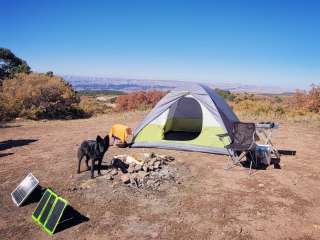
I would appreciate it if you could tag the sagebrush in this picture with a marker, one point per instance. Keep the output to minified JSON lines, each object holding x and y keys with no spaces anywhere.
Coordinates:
{"x":38,"y":96}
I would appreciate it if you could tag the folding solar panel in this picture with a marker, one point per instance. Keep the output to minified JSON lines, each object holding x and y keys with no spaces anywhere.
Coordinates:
{"x":24,"y":189}
{"x":49,"y":211}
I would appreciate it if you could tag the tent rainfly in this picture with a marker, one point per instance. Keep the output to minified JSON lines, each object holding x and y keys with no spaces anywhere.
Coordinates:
{"x":188,"y":118}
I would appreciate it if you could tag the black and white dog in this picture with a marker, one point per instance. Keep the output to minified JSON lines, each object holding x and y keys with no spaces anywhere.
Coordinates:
{"x":93,"y":150}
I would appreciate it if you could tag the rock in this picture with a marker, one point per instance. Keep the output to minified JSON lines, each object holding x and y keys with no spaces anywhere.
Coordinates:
{"x":138,"y":179}
{"x":108,"y":177}
{"x":145,"y":168}
{"x":151,"y":162}
{"x":261,"y":185}
{"x":138,"y":168}
{"x":134,"y":181}
{"x":120,"y":157}
{"x":125,"y":178}
{"x":164,"y":172}
{"x":148,"y":155}
{"x":165,"y":158}
{"x":151,"y":173}
{"x":119,"y":164}
{"x":133,"y":177}
{"x":159,"y":158}
{"x":157,"y":183}
{"x":150,"y":167}
{"x":167,"y":174}
{"x":169,"y":158}
{"x":130,"y":169}
{"x":156,"y":164}
{"x":114,"y":172}
{"x":141,"y":175}
{"x":144,"y":158}
{"x":150,"y":183}
{"x":132,"y":160}
{"x":132,"y":165}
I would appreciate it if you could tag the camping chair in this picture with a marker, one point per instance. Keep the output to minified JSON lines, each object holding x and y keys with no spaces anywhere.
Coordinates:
{"x":242,"y":144}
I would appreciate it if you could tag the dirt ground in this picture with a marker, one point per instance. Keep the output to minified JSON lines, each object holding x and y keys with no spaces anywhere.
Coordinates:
{"x":209,"y":202}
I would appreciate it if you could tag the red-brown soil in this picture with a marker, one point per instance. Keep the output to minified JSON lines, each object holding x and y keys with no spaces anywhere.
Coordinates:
{"x":209,"y":203}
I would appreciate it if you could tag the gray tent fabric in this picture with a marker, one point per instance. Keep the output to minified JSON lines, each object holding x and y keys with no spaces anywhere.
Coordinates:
{"x":228,"y":116}
{"x":160,"y":107}
{"x":215,"y":104}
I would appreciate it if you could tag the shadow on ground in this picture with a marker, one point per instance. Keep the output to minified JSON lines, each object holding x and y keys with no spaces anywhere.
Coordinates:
{"x":4,"y":145}
{"x":9,"y":126}
{"x":116,"y":163}
{"x":35,"y":196}
{"x":70,"y":218}
{"x":274,"y":161}
{"x":5,"y":154}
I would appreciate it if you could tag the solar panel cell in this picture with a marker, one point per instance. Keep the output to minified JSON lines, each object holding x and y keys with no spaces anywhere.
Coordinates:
{"x":56,"y":213}
{"x":41,"y":204}
{"x":47,"y":209}
{"x":18,"y":196}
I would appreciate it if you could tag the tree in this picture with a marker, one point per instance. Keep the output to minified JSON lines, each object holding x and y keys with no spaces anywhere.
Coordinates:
{"x":11,"y":64}
{"x":226,"y":94}
{"x":49,"y":74}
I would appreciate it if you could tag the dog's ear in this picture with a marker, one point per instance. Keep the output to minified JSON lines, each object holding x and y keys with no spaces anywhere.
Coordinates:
{"x":99,"y":139}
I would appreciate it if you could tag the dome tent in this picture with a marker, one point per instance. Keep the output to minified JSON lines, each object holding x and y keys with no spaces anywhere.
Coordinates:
{"x":188,"y":118}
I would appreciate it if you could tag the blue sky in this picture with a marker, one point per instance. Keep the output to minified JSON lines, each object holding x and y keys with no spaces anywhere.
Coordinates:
{"x":252,"y":42}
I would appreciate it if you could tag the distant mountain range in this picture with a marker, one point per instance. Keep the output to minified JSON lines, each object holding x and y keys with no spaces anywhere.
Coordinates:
{"x":127,"y":85}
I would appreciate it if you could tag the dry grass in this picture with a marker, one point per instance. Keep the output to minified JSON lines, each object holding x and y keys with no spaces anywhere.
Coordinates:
{"x":91,"y":105}
{"x":288,"y":108}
